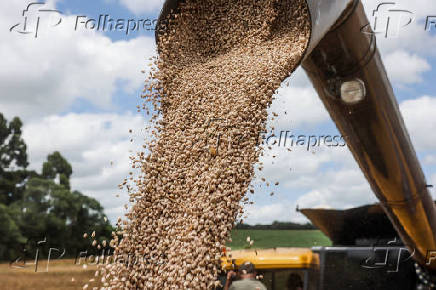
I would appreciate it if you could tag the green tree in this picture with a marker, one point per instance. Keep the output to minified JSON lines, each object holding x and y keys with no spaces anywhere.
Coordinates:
{"x":13,"y":160}
{"x":10,"y":235}
{"x":12,"y":146}
{"x":34,"y":207}
{"x":49,"y":210}
{"x":57,"y":164}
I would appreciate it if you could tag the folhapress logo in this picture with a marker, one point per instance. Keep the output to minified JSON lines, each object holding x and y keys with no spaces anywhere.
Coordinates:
{"x":36,"y":16}
{"x":389,"y":20}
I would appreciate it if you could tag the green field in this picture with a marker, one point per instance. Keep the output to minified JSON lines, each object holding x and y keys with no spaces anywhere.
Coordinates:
{"x":278,"y":238}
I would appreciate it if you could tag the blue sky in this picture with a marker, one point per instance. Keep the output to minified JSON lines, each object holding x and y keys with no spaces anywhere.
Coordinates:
{"x":92,"y":10}
{"x":77,"y":92}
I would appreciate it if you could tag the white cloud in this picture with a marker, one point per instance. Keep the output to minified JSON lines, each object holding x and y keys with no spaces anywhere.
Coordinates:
{"x":98,"y":147}
{"x":266,"y":214}
{"x":405,"y":68}
{"x":413,"y":37}
{"x":297,"y":106}
{"x":420,"y":9}
{"x":333,"y":180}
{"x":320,"y":178}
{"x":430,"y":160}
{"x":45,"y":75}
{"x":338,"y":189}
{"x":142,"y":6}
{"x":291,"y":167}
{"x":420,"y":119}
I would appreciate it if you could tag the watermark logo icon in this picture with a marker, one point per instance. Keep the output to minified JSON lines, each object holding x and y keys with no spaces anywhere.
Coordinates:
{"x":431,"y":257}
{"x":388,"y":20}
{"x":33,"y":17}
{"x":389,"y":258}
{"x":430,"y":23}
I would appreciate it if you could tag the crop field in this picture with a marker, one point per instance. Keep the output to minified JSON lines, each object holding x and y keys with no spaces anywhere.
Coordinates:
{"x":64,"y":274}
{"x":278,"y":238}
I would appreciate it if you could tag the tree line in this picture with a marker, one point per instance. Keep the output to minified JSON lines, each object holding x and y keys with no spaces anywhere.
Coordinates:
{"x":276,"y":226}
{"x":37,"y":207}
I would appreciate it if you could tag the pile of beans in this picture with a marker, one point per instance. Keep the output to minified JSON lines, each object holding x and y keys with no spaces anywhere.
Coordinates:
{"x":220,"y":63}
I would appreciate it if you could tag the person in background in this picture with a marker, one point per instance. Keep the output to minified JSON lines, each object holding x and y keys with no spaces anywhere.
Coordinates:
{"x":294,"y":282}
{"x":247,"y":274}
